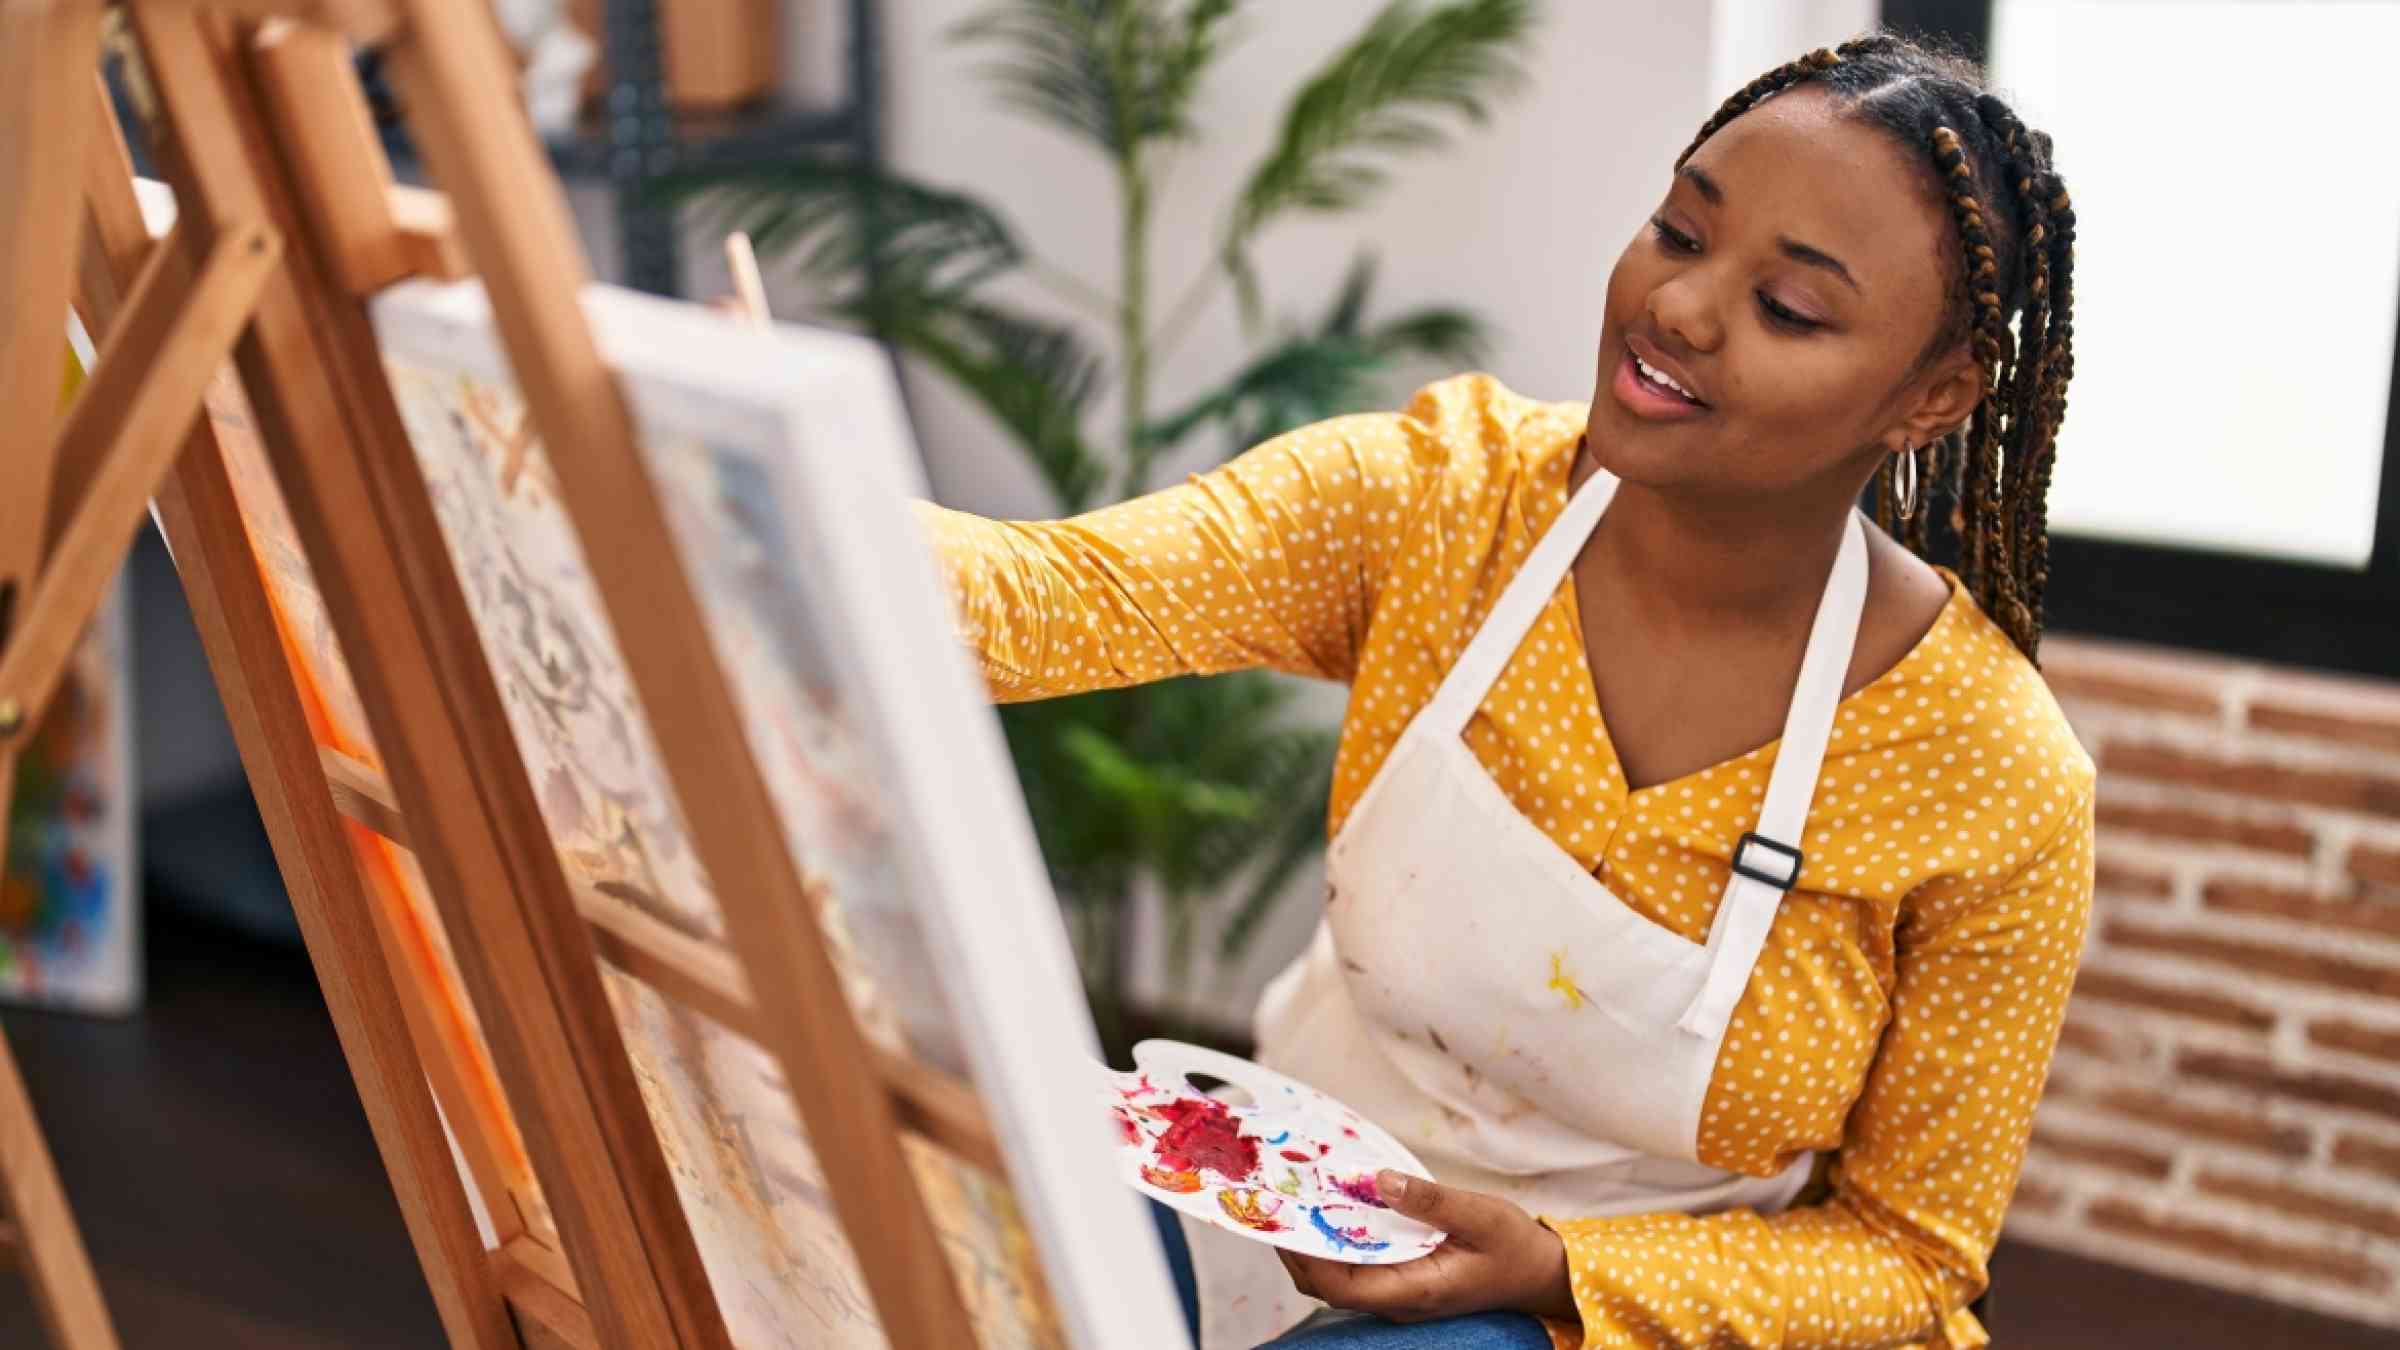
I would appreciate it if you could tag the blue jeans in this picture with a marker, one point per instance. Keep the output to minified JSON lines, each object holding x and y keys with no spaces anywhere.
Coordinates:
{"x":1333,"y":1329}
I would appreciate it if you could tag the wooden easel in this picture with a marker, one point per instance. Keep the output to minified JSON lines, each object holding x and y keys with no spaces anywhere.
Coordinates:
{"x":287,"y":219}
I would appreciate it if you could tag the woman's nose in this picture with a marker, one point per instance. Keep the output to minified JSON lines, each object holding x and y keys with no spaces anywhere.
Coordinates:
{"x":1683,"y":307}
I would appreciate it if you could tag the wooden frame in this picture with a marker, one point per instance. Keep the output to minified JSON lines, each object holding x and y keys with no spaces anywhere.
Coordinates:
{"x":286,"y":219}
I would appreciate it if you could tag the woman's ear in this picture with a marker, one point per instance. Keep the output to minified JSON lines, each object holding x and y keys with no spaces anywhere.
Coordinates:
{"x":1947,"y":398}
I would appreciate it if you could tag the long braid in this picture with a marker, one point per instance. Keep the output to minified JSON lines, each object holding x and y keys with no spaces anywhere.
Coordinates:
{"x":1984,"y":547}
{"x":2016,"y":232}
{"x":2059,"y":360}
{"x":2028,"y":394}
{"x":2037,"y":394}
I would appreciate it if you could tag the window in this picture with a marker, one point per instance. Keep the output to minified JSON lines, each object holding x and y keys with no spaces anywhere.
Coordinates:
{"x":2227,"y":476}
{"x":2238,"y":271}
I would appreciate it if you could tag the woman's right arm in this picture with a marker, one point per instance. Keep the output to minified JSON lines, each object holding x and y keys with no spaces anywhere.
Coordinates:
{"x":1272,"y":560}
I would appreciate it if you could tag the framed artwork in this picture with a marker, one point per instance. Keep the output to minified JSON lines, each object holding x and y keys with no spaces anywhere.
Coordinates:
{"x":70,"y":890}
{"x":784,"y":463}
{"x":71,"y":895}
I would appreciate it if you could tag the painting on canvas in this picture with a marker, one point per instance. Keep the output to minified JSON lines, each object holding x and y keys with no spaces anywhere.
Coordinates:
{"x":70,"y":890}
{"x":70,"y":897}
{"x":783,"y":463}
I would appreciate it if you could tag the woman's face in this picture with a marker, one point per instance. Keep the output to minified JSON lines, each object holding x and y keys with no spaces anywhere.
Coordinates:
{"x":1788,"y":284}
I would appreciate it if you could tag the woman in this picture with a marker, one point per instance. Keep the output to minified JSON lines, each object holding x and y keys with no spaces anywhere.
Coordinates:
{"x":1709,"y":1035}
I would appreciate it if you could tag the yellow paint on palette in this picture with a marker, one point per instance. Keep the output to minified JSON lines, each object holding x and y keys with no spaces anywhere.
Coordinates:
{"x":1564,"y":982}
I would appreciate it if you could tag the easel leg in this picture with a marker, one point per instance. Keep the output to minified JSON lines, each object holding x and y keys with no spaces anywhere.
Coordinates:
{"x":46,"y":51}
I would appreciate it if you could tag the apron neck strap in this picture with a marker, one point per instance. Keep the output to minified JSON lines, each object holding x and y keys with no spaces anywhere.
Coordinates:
{"x":1504,"y":629}
{"x":1808,"y":723}
{"x":1767,"y":862}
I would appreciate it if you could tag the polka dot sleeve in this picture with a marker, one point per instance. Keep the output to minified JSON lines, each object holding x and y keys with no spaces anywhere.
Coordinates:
{"x":1930,"y":1153}
{"x":1272,"y":560}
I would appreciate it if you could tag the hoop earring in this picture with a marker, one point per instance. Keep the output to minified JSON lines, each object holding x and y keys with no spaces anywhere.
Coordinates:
{"x":1904,"y":482}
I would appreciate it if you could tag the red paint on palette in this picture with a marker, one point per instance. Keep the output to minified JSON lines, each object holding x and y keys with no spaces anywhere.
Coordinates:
{"x":1295,"y":1155}
{"x":1205,"y":1135}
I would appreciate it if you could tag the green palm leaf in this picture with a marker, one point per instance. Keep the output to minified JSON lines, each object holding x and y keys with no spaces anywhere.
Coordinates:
{"x":1342,"y":367}
{"x":1036,"y":377}
{"x":858,"y":228}
{"x":1189,"y":47}
{"x":1295,"y":832}
{"x":908,"y":260}
{"x":1349,"y":307}
{"x":1390,"y":90}
{"x":1085,"y":839}
{"x":1289,"y":384}
{"x":1449,"y":336}
{"x":1232,"y":745}
{"x":1444,"y":336}
{"x":1061,"y":64}
{"x":1114,"y":72}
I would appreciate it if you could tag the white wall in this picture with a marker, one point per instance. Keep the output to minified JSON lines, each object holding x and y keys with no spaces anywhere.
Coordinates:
{"x":1520,"y":220}
{"x":1750,"y":37}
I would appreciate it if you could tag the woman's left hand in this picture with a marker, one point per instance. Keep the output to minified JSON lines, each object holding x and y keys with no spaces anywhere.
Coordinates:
{"x":1496,"y":1256}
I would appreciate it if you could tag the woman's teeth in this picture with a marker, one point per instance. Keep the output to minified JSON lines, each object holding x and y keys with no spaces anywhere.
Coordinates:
{"x":1660,"y":377}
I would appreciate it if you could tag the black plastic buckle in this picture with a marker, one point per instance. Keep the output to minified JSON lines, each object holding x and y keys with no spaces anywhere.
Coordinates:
{"x":1779,"y":883}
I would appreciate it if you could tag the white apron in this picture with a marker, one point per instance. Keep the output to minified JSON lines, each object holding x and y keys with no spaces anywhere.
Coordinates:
{"x":1476,"y":992}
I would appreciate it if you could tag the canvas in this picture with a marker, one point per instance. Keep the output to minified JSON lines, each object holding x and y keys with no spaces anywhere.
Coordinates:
{"x":70,"y":896}
{"x":70,"y":890}
{"x":783,"y":464}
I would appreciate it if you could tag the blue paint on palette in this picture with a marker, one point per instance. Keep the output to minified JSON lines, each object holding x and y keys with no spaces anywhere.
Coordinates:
{"x":1280,"y":1137}
{"x":1339,"y":1240}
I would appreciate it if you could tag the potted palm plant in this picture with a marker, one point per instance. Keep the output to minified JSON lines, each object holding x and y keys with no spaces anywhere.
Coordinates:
{"x":1208,"y":790}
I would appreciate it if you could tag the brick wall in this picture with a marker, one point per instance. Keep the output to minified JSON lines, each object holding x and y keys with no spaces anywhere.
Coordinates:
{"x":2225,"y":1106}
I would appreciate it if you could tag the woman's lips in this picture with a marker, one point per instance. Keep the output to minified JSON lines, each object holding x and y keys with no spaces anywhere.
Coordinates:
{"x":1648,"y":401}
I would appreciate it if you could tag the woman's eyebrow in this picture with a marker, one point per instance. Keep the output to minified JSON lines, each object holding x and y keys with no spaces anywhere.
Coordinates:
{"x":1816,"y":257}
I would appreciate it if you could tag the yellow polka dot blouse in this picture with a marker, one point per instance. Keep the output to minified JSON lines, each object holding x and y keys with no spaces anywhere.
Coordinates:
{"x":1902,"y":1016}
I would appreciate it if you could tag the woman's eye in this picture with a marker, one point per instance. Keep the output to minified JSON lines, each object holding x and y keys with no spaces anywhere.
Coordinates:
{"x":1675,"y":240}
{"x":1786,"y":317}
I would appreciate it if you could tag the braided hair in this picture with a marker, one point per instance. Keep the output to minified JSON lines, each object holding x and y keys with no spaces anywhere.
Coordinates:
{"x":2016,"y":233}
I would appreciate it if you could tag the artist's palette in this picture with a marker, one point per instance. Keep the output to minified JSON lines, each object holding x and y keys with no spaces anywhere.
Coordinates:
{"x":1293,"y":1168}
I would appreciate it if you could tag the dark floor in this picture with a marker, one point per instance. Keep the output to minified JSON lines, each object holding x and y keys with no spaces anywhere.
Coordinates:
{"x":231,"y":1196}
{"x":214,"y":1151}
